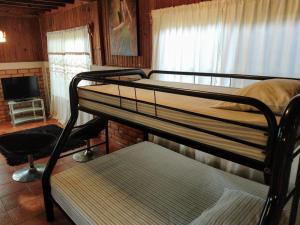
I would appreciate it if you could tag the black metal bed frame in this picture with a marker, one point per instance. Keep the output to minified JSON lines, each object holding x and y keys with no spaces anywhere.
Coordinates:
{"x":281,"y":148}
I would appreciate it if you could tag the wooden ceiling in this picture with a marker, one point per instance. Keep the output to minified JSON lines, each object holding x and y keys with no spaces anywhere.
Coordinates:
{"x":30,"y":7}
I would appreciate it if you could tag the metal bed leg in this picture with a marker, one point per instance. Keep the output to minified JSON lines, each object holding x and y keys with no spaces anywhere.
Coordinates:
{"x":106,"y":140}
{"x":294,"y":210}
{"x":295,"y":203}
{"x":146,"y":136}
{"x":48,"y":202}
{"x":49,"y":208}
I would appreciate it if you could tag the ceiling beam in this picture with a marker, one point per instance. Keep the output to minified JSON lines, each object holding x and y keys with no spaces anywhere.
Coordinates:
{"x":28,"y":6}
{"x":58,"y":1}
{"x":35,"y":7}
{"x":34,"y":2}
{"x":29,"y":15}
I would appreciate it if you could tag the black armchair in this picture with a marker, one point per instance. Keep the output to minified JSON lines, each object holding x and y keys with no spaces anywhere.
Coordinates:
{"x":25,"y":146}
{"x":86,"y":132}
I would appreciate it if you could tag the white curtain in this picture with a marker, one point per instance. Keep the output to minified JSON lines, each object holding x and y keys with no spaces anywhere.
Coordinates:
{"x":258,"y":37}
{"x":69,"y":53}
{"x":228,"y":36}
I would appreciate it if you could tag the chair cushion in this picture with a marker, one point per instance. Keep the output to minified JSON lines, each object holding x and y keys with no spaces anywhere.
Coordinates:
{"x":26,"y":143}
{"x":89,"y":130}
{"x":39,"y":141}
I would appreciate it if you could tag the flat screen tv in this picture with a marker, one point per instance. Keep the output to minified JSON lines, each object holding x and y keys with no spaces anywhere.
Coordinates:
{"x":20,"y":88}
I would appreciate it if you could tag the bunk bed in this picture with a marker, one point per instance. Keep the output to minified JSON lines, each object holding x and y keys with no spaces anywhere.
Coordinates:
{"x":235,"y":85}
{"x":260,"y":140}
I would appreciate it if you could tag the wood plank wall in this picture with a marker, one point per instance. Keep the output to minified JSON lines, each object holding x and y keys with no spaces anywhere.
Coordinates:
{"x":69,"y":18}
{"x":27,"y":35}
{"x":23,"y":39}
{"x":145,"y":36}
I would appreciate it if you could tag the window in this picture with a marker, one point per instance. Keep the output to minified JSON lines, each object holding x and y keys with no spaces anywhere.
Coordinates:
{"x":69,"y":53}
{"x":2,"y":36}
{"x":231,"y":36}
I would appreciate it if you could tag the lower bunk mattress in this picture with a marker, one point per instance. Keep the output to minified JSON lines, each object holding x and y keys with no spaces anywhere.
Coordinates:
{"x":144,"y":184}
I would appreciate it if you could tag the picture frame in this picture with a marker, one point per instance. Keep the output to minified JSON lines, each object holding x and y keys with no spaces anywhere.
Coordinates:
{"x":123,"y":29}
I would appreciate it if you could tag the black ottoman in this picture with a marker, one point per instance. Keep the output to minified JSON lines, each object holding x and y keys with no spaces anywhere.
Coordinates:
{"x":27,"y":145}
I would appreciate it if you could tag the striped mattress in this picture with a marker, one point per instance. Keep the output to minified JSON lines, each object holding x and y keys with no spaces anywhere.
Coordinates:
{"x":143,"y":184}
{"x":249,"y":140}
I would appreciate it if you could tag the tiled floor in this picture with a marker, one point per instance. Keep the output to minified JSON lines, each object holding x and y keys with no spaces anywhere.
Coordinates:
{"x":22,"y":203}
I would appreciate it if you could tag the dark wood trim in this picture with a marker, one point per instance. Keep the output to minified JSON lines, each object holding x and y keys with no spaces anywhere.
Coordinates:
{"x":28,"y":6}
{"x":101,"y":33}
{"x":36,"y":3}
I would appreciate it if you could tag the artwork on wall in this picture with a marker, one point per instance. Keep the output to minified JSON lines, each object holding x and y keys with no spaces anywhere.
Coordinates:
{"x":123,"y":27}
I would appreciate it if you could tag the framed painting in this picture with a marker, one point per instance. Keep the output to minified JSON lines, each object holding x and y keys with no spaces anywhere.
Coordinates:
{"x":123,"y":27}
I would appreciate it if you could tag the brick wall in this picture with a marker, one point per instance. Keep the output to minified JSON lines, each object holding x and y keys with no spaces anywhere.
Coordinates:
{"x":4,"y":111}
{"x":121,"y":136}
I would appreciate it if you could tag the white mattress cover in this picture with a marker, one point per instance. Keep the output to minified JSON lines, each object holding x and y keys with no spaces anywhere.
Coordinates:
{"x":188,"y":103}
{"x":143,"y":184}
{"x":191,"y":104}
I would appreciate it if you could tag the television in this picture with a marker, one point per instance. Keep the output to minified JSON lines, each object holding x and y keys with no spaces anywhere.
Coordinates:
{"x":20,"y":88}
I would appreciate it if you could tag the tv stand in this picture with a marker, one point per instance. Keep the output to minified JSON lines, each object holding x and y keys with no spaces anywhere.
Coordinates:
{"x":22,"y":111}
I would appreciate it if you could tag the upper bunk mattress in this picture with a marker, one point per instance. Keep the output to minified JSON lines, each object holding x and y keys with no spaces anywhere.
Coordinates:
{"x":143,"y":184}
{"x":156,"y":110}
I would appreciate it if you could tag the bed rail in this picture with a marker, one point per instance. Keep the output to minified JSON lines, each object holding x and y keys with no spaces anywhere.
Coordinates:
{"x":285,"y":153}
{"x":219,"y":75}
{"x":276,"y":160}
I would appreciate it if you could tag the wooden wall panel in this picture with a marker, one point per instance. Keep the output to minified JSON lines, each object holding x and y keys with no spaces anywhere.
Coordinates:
{"x":23,"y":39}
{"x":144,"y":29}
{"x":69,"y":18}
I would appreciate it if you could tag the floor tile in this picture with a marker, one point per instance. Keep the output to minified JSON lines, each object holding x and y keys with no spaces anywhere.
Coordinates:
{"x":35,"y":221}
{"x":35,"y":187}
{"x":4,"y":168}
{"x":5,"y":219}
{"x":16,"y":199}
{"x":2,"y":209}
{"x":10,"y":188}
{"x":2,"y":160}
{"x":5,"y":178}
{"x":27,"y":210}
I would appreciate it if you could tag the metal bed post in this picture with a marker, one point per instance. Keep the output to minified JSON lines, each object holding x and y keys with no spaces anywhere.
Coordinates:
{"x":92,"y":76}
{"x":286,"y":142}
{"x":146,"y":136}
{"x":295,"y":203}
{"x":106,"y":139}
{"x":58,"y":149}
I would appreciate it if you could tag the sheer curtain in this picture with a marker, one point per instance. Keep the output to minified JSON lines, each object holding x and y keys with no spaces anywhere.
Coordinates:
{"x":227,"y":36}
{"x":69,"y":53}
